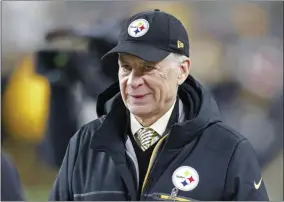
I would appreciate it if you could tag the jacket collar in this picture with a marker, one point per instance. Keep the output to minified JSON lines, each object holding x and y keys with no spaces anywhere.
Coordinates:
{"x":111,"y":132}
{"x":197,"y":101}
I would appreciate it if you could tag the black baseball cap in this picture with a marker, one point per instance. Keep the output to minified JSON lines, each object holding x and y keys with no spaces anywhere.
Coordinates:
{"x":152,"y":36}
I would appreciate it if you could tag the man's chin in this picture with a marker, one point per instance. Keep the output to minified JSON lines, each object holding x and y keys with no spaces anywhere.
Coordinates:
{"x":139,"y":110}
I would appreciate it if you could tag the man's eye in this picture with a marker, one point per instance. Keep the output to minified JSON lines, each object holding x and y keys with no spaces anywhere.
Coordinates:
{"x":126,"y":67}
{"x":149,"y":67}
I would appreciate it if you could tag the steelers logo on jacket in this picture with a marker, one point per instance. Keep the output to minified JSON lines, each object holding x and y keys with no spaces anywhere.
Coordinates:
{"x":185,"y":178}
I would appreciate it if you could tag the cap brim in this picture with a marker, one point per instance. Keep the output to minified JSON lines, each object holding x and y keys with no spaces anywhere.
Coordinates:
{"x":143,"y":51}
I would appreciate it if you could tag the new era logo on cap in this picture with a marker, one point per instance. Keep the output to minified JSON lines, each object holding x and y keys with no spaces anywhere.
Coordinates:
{"x":152,"y":36}
{"x":180,"y":44}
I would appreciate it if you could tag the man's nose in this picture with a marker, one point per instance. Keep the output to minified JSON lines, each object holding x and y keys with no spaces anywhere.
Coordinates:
{"x":135,"y":79}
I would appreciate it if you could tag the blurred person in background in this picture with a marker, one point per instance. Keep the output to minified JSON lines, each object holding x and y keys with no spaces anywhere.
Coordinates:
{"x":76,"y":75}
{"x":162,"y":133}
{"x":11,"y":187}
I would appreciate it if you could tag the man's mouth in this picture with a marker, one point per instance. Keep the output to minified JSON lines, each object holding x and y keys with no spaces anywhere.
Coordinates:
{"x":138,"y":96}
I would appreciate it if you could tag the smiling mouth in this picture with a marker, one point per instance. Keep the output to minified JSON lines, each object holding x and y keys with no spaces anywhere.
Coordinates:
{"x":138,"y":96}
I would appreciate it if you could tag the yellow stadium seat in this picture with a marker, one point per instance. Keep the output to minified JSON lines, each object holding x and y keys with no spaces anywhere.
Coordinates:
{"x":25,"y":103}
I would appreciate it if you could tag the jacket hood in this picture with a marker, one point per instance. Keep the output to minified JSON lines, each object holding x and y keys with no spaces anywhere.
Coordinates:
{"x":200,"y":108}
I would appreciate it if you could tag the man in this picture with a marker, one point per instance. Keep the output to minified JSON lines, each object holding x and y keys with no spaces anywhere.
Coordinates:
{"x":162,"y":138}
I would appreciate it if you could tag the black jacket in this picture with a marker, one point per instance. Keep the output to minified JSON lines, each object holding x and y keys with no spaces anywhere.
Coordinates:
{"x":100,"y":162}
{"x":11,"y":187}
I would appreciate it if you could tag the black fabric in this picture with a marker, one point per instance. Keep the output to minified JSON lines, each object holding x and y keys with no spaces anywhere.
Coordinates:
{"x":152,"y":46}
{"x":143,"y":51}
{"x":192,"y":102}
{"x":11,"y":187}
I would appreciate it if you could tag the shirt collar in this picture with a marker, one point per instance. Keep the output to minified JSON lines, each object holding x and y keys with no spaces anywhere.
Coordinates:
{"x":159,"y":126}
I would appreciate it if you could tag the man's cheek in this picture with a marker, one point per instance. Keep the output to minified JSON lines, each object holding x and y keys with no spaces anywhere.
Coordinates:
{"x":161,"y":75}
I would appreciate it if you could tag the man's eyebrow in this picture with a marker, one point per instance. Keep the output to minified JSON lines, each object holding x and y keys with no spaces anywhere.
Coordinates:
{"x":149,"y":63}
{"x":122,"y":60}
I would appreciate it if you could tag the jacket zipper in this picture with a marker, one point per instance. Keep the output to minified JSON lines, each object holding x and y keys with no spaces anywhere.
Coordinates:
{"x":167,"y":197}
{"x":152,"y":160}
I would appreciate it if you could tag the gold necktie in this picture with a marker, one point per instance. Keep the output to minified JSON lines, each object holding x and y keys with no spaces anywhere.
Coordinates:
{"x":145,"y":136}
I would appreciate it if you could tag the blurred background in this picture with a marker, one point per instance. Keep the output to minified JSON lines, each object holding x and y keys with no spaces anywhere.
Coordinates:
{"x":52,"y":74}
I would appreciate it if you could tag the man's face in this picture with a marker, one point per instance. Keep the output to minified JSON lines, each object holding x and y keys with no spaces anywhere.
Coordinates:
{"x":148,"y":88}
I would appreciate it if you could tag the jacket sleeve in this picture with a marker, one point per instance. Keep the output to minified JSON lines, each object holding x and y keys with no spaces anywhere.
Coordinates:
{"x":62,"y":187}
{"x":244,"y":181}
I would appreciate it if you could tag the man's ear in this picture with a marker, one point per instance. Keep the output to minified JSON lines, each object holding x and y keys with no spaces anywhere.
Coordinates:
{"x":184,"y":71}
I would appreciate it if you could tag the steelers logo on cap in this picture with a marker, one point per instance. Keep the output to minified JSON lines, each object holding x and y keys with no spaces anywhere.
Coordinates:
{"x":185,"y":178}
{"x":138,"y":28}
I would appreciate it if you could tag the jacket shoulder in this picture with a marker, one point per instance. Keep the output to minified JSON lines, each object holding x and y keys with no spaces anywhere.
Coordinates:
{"x":82,"y":138}
{"x":226,"y":130}
{"x":221,"y":137}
